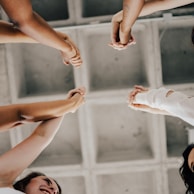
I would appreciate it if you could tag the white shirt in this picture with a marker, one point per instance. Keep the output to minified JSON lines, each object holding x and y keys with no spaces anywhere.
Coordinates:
{"x":177,"y":103}
{"x":8,"y":190}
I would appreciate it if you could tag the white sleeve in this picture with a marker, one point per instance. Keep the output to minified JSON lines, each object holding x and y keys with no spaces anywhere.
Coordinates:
{"x":177,"y":103}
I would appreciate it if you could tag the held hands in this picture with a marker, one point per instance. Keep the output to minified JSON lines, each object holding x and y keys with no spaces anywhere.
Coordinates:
{"x":77,"y":97}
{"x":120,"y":39}
{"x":142,"y":107}
{"x":131,"y":98}
{"x":72,"y":54}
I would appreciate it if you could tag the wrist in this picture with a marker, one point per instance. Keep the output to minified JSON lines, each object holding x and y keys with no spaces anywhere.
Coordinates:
{"x":124,"y":28}
{"x":68,"y":50}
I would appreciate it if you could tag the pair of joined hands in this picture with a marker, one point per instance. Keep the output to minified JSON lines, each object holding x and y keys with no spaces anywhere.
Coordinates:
{"x":120,"y":38}
{"x":72,"y":54}
{"x":77,"y":95}
{"x":143,"y":107}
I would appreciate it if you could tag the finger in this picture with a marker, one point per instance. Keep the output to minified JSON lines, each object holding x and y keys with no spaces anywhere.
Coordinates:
{"x":141,"y":88}
{"x":76,"y":57}
{"x":77,"y":90}
{"x":75,"y":62}
{"x":77,"y":65}
{"x":111,"y":44}
{"x":83,"y":90}
{"x":66,"y":62}
{"x":73,"y":92}
{"x":79,"y":99}
{"x":132,"y":41}
{"x":115,"y":32}
{"x":79,"y":60}
{"x":132,"y":106}
{"x":119,"y":46}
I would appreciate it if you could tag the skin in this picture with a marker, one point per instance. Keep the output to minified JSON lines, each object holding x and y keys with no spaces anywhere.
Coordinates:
{"x":31,"y":24}
{"x":51,"y":114}
{"x":9,"y":34}
{"x":41,"y":184}
{"x":191,"y":160}
{"x":123,"y":21}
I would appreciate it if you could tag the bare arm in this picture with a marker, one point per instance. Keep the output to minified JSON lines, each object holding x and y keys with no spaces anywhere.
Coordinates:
{"x":27,"y":151}
{"x":30,"y":23}
{"x":13,"y":162}
{"x":148,"y":8}
{"x":160,"y":5}
{"x":9,"y":34}
{"x":131,"y":11}
{"x":13,"y":115}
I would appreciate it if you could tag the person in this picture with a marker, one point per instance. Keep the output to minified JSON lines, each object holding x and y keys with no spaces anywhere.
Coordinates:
{"x":122,"y":21}
{"x":24,"y":19}
{"x":173,"y":103}
{"x":50,"y":115}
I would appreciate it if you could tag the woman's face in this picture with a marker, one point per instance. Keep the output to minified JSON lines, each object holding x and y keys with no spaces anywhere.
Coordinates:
{"x":191,"y":160}
{"x":42,"y":185}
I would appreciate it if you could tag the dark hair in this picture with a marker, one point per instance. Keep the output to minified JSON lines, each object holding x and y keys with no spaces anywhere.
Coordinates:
{"x":21,"y":184}
{"x":192,"y":36}
{"x":185,"y":172}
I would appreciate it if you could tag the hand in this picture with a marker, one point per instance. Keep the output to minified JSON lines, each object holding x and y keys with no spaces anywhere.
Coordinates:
{"x":77,"y":96}
{"x":125,"y":35}
{"x":148,"y":109}
{"x":137,"y":89}
{"x":80,"y":90}
{"x":73,"y":55}
{"x":117,"y":36}
{"x":142,"y":107}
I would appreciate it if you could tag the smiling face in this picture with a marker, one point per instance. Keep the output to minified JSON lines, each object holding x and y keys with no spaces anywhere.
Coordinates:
{"x":42,"y":185}
{"x":191,"y":160}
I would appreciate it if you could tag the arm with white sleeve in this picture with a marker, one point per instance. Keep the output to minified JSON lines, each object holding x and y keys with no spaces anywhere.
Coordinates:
{"x":167,"y":101}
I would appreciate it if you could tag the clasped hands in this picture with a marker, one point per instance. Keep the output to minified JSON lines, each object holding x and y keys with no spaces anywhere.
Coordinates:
{"x":71,"y":55}
{"x":132,"y":103}
{"x":121,"y":38}
{"x":77,"y":97}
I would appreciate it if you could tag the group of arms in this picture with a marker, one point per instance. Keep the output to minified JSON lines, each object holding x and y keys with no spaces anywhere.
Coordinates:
{"x":50,"y":114}
{"x":26,"y":28}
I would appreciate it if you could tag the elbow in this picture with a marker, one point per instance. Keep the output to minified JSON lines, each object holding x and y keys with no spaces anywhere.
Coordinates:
{"x":23,"y":21}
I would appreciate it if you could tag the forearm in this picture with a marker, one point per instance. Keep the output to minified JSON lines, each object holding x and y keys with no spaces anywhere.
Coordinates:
{"x":161,"y":5}
{"x":150,"y":7}
{"x":9,"y":34}
{"x":30,"y":23}
{"x":176,"y":103}
{"x":40,"y":31}
{"x":13,"y":115}
{"x":27,"y":151}
{"x":45,"y":110}
{"x":131,"y":11}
